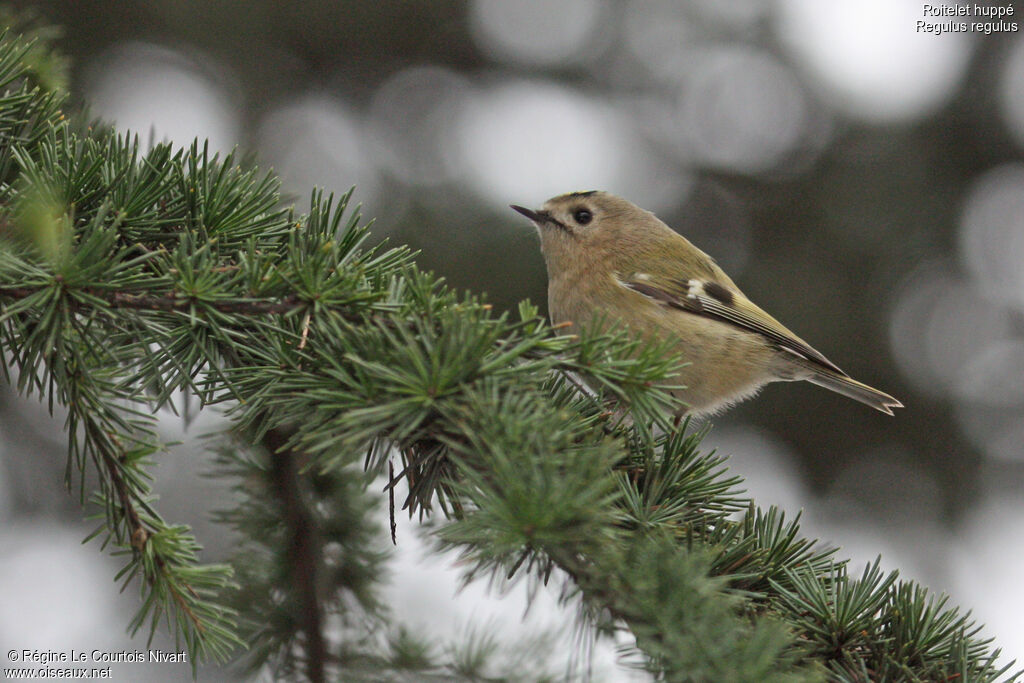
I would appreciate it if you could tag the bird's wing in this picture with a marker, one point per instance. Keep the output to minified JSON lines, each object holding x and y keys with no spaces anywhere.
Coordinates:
{"x":715,"y":300}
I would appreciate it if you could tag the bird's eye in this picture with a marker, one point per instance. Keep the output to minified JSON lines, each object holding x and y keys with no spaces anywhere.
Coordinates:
{"x":582,"y":216}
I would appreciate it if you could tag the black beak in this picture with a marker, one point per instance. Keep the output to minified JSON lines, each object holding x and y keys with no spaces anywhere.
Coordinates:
{"x":541,"y":218}
{"x":535,"y":216}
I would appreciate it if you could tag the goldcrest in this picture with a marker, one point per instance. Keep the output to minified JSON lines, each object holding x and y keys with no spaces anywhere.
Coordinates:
{"x":608,"y":259}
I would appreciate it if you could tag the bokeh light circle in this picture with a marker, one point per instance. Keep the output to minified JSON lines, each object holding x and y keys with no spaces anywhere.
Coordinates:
{"x":992,"y":233}
{"x":537,"y":32}
{"x":412,"y":119}
{"x":316,"y":141}
{"x":163,"y":94}
{"x":868,"y":58}
{"x":742,"y":109}
{"x":526,"y":141}
{"x":939,"y":324}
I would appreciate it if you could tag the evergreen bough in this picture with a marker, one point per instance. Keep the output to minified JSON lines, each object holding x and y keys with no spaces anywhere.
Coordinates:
{"x":129,"y":277}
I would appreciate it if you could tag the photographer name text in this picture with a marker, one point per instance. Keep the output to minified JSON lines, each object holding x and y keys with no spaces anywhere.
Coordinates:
{"x":45,"y":657}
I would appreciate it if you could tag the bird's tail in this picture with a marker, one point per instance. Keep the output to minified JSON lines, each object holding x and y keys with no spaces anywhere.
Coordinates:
{"x":851,"y":388}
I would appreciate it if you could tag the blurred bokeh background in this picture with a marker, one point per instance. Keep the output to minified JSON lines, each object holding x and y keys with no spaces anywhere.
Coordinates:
{"x":859,"y":178}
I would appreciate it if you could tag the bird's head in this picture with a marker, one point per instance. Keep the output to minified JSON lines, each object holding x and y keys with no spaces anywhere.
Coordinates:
{"x":594,"y":229}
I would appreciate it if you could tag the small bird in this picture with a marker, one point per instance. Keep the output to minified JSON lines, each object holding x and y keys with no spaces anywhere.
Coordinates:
{"x":608,"y":258}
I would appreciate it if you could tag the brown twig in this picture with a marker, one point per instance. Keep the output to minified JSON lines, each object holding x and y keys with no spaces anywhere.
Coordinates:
{"x":138,"y":533}
{"x":305,"y":330}
{"x":391,"y":501}
{"x":305,"y":549}
{"x":172,"y":301}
